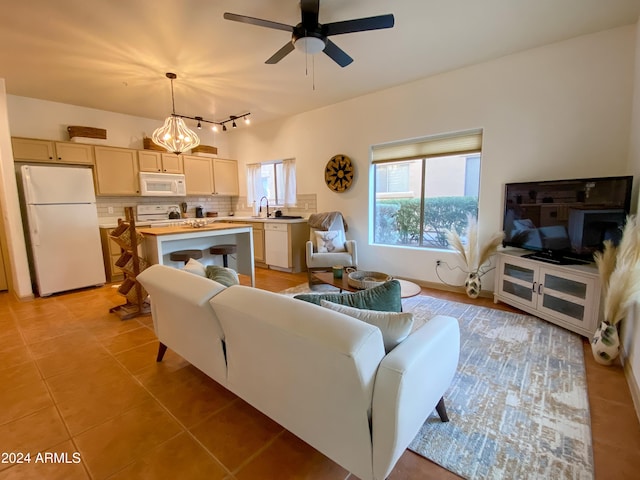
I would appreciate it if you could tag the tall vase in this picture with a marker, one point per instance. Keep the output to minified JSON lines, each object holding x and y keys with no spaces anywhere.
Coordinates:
{"x":605,"y":344}
{"x":472,"y":285}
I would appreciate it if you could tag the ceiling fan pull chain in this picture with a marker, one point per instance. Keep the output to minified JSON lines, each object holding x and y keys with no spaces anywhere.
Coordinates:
{"x":313,"y":73}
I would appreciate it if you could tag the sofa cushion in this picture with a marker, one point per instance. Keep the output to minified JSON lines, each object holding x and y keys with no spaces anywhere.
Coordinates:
{"x":383,"y":298}
{"x":223,"y":275}
{"x":194,"y":266}
{"x":395,"y":327}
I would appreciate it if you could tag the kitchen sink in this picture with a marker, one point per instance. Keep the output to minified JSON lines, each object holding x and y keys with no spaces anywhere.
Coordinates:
{"x":284,"y":217}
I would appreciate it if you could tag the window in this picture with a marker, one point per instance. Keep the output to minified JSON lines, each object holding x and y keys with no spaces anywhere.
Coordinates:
{"x":423,"y":188}
{"x":275,"y":180}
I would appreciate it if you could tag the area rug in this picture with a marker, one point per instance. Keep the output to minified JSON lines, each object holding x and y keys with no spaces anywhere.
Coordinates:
{"x":518,"y":405}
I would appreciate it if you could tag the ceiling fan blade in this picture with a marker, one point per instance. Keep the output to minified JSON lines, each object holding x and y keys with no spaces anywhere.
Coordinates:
{"x":337,"y":54}
{"x":280,"y":54}
{"x":258,"y":21}
{"x":309,"y":10}
{"x":359,"y":25}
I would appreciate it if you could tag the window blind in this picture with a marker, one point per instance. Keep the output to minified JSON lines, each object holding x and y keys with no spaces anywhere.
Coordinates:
{"x":436,"y":146}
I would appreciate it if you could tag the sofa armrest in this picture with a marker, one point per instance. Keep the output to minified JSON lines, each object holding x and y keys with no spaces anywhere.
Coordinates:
{"x":350,"y":245}
{"x":410,"y":381}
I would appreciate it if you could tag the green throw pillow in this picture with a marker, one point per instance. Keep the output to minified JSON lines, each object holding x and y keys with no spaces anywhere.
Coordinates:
{"x":222,"y":275}
{"x":383,"y":298}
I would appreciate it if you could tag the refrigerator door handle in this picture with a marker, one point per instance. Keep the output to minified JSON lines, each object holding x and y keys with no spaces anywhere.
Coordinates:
{"x":28,"y":195}
{"x":33,"y":223}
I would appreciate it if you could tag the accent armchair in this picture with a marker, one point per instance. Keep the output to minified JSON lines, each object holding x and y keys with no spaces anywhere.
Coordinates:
{"x":327,"y":245}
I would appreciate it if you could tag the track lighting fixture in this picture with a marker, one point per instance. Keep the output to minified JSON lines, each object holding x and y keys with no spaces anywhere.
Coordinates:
{"x":176,"y":137}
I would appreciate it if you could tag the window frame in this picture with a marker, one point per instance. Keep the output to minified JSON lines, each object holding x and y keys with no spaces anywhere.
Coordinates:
{"x":467,"y":143}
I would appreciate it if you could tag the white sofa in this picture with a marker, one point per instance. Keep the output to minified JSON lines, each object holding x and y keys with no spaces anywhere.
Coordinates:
{"x":322,"y":375}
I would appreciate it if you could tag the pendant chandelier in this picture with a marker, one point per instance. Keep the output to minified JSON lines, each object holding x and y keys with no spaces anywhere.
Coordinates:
{"x":174,"y":135}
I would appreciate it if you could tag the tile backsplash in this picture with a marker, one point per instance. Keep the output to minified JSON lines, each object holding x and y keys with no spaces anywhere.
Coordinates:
{"x":113,"y":207}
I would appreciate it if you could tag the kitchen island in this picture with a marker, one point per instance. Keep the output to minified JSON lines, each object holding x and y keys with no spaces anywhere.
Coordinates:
{"x":160,"y":242}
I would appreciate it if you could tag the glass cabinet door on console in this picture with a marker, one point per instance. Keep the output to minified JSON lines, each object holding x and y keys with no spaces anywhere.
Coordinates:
{"x":568,"y":295}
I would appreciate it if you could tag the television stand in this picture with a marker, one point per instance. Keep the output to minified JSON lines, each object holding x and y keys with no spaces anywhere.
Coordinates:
{"x":567,"y":295}
{"x":548,"y":257}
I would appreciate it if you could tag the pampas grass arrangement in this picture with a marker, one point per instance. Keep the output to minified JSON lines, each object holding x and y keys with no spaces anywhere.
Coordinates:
{"x":474,"y":254}
{"x":619,"y":270}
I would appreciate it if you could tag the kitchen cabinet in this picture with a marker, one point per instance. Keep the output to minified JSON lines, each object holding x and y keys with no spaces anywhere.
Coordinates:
{"x":225,"y":177}
{"x":210,"y":176}
{"x":284,"y":245}
{"x":198,"y":173}
{"x":47,"y":151}
{"x":116,"y":171}
{"x":567,"y":295}
{"x":150,"y":161}
{"x":258,"y":241}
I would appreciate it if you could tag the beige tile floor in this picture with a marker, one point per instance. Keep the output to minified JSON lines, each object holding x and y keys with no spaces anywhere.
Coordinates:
{"x":76,"y":379}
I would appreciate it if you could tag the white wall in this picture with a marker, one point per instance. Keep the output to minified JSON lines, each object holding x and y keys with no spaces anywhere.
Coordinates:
{"x":630,"y":328}
{"x":558,"y":111}
{"x":30,"y":117}
{"x":16,"y":263}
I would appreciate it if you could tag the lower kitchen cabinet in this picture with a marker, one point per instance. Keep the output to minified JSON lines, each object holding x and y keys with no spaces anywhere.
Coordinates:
{"x":567,"y":295}
{"x":284,"y":245}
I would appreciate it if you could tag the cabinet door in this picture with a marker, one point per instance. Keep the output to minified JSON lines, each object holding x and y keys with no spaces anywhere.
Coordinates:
{"x":172,"y":163}
{"x":77,"y":153}
{"x":225,"y":176}
{"x":568,"y":297}
{"x":33,"y":150}
{"x":116,"y":171}
{"x":258,"y":242}
{"x":517,"y":280}
{"x":198,"y":172}
{"x":149,"y":161}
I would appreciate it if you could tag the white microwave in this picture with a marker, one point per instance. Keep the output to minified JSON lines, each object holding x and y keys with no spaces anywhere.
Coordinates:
{"x":162,"y":184}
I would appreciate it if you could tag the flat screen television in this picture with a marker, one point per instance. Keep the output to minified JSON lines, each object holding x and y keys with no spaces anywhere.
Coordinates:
{"x":566,"y":221}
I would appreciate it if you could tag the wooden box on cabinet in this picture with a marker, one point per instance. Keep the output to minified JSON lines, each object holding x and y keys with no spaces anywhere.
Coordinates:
{"x":567,"y":295}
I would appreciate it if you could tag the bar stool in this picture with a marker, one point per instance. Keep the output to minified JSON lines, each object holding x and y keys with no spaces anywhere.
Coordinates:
{"x":223,"y":250}
{"x":185,"y":255}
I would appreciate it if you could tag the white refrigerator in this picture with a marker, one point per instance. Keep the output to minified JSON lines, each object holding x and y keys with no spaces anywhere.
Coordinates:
{"x":60,"y":204}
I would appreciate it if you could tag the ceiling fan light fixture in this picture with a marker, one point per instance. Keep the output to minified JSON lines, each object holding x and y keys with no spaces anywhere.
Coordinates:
{"x":310,"y":45}
{"x":174,"y":135}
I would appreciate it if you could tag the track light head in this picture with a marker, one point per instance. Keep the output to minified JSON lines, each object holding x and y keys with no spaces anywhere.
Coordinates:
{"x":224,"y":127}
{"x":233,"y":124}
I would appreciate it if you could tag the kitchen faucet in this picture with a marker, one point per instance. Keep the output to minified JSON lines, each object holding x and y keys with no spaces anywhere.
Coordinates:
{"x":260,"y":205}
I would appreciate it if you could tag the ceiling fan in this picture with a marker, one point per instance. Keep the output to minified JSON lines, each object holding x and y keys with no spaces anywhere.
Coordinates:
{"x":311,"y":37}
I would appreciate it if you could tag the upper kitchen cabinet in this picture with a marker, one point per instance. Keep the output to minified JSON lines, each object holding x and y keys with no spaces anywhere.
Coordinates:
{"x":48,"y":151}
{"x":116,"y":171}
{"x":210,"y":176}
{"x":150,"y":161}
{"x":225,"y":177}
{"x":198,"y":175}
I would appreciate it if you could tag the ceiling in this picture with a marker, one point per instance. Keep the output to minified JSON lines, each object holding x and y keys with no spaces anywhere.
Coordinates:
{"x":113,"y":55}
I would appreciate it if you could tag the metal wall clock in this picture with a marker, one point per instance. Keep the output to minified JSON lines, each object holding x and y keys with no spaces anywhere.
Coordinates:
{"x":338,"y":174}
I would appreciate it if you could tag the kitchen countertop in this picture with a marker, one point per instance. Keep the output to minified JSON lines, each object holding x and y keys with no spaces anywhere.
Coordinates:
{"x":171,"y":230}
{"x":112,"y":222}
